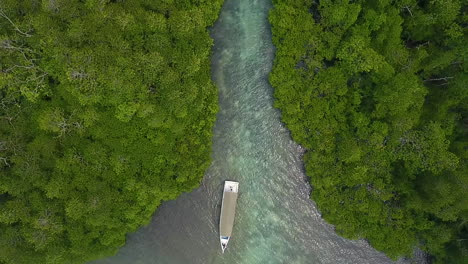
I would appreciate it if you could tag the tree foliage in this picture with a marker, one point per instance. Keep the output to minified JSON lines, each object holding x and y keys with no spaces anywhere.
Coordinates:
{"x":376,"y":91}
{"x":106,"y":109}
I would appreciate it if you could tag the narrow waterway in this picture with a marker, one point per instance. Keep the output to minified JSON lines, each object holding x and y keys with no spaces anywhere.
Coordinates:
{"x":276,"y":221}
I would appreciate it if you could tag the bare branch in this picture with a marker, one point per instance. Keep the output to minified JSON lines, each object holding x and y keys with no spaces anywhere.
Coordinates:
{"x":18,"y":66}
{"x":13,"y":24}
{"x":423,"y":44}
{"x":3,"y":145}
{"x":5,"y":161}
{"x":439,"y":79}
{"x":78,"y":75}
{"x":8,"y":44}
{"x":409,"y":10}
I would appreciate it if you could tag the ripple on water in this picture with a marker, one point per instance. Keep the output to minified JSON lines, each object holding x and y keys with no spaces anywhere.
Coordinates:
{"x":276,"y":221}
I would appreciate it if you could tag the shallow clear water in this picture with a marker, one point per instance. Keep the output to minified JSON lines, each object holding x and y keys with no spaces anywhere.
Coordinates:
{"x":276,"y":222}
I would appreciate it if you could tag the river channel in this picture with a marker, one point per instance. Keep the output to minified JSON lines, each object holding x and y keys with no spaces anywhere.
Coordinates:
{"x":276,"y":222}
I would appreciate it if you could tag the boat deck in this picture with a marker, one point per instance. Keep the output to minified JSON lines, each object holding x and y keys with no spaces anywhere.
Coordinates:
{"x":228,"y":209}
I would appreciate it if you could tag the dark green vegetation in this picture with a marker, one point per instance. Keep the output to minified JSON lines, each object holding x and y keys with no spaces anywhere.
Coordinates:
{"x":106,"y":109}
{"x":376,"y":90}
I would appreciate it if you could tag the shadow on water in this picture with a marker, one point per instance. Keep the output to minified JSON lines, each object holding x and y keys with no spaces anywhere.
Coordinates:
{"x":276,"y":222}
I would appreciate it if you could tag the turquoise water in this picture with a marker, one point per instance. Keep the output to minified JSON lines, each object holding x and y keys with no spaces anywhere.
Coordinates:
{"x":276,"y":221}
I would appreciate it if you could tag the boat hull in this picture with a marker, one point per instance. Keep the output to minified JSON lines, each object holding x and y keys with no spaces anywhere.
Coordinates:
{"x":228,"y":210}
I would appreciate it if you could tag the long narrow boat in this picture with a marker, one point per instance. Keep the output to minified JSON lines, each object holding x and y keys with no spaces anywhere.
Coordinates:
{"x":228,"y":211}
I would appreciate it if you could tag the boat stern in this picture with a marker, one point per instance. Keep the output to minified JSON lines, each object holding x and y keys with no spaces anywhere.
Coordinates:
{"x":224,"y":241}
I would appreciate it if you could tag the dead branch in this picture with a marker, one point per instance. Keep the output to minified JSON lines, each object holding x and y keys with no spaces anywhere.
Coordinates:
{"x":5,"y":161}
{"x":13,"y":24}
{"x":439,"y":79}
{"x":409,"y":10}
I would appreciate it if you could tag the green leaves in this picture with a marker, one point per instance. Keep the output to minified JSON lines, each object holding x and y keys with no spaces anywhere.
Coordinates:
{"x":427,"y":150}
{"x":373,"y":90}
{"x":126,"y":111}
{"x":106,"y":109}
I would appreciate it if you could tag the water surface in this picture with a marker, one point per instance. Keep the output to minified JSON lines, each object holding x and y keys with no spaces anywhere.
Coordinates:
{"x":276,"y":221}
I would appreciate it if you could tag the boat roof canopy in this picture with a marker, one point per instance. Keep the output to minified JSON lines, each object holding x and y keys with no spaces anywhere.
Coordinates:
{"x":227,"y":213}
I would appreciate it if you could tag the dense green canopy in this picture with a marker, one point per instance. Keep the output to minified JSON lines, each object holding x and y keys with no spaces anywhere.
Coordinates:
{"x":377,"y":91}
{"x":106,"y":109}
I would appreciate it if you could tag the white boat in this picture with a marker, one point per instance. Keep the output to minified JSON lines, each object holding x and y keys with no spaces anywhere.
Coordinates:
{"x":228,"y":211}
